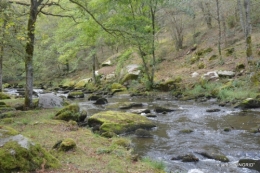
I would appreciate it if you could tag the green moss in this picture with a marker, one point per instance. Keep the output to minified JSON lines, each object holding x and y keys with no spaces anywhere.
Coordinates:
{"x":230,"y":51}
{"x":186,"y":131}
{"x":4,"y":96}
{"x":70,"y":112}
{"x":213,"y":57}
{"x":129,"y":77}
{"x":124,"y":142}
{"x":15,"y":158}
{"x":67,"y":144}
{"x":7,"y":120}
{"x":240,"y":67}
{"x":119,"y":122}
{"x":201,"y":65}
{"x":7,"y":131}
{"x":115,"y":86}
{"x":76,"y":94}
{"x":194,"y":59}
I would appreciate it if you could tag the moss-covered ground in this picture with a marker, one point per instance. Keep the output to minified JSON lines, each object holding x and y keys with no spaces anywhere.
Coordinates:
{"x":93,"y":153}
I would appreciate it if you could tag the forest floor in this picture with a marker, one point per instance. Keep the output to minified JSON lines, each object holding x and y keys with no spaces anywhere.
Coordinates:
{"x":93,"y":153}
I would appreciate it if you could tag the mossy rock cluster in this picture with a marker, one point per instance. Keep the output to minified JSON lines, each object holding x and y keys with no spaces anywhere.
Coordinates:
{"x":249,"y":103}
{"x":19,"y":154}
{"x":82,"y":83}
{"x":70,"y":112}
{"x":119,"y":122}
{"x":117,"y":87}
{"x":67,"y":84}
{"x":4,"y":96}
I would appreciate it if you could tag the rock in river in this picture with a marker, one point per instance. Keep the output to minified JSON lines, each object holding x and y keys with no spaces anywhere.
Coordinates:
{"x":119,"y":122}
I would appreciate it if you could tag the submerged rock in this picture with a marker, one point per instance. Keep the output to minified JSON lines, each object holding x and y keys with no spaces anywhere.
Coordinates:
{"x":186,"y":158}
{"x":142,"y":133}
{"x":163,"y":110}
{"x":19,"y":154}
{"x":119,"y":122}
{"x":215,"y":156}
{"x":101,"y":101}
{"x":213,"y":110}
{"x":76,"y":94}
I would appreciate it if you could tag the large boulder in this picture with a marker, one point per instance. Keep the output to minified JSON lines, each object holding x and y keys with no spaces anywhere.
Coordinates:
{"x":50,"y":100}
{"x":130,"y":72}
{"x":82,"y":83}
{"x":224,"y":73}
{"x":249,"y":103}
{"x":19,"y":154}
{"x":212,"y":75}
{"x":214,"y":155}
{"x":119,"y":122}
{"x":70,"y":112}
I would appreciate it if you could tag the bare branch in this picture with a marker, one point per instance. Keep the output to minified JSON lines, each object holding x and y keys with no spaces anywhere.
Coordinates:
{"x":58,"y":15}
{"x":20,"y":3}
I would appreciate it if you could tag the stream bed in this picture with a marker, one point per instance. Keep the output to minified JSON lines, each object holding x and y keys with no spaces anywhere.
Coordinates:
{"x":208,"y":134}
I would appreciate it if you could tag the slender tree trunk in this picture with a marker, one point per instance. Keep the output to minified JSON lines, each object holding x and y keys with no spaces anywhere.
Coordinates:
{"x":208,"y":16}
{"x":248,"y":30}
{"x":241,"y":16}
{"x":2,"y":56}
{"x":94,"y":68}
{"x":67,"y":66}
{"x":219,"y":31}
{"x":28,"y":103}
{"x":152,"y":10}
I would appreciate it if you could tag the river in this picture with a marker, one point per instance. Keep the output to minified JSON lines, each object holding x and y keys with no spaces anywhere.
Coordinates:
{"x":208,"y":133}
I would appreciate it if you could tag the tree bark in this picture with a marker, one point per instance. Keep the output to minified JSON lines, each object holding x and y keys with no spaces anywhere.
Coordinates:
{"x":28,"y":103}
{"x":241,"y":15}
{"x":248,"y":30}
{"x":219,"y":31}
{"x":2,"y":56}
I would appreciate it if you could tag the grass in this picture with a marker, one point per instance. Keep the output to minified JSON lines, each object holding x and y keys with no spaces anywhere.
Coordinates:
{"x":93,"y":152}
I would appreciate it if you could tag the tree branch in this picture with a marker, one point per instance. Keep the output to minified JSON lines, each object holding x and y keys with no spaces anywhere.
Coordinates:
{"x":58,"y":15}
{"x":20,"y":3}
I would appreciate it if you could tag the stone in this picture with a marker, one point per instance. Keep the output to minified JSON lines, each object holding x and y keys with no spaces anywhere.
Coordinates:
{"x":186,"y":131}
{"x":101,"y":101}
{"x":142,"y":133}
{"x":195,"y":74}
{"x":119,"y":122}
{"x":94,"y":97}
{"x":249,"y":103}
{"x":75,"y":94}
{"x":162,"y":110}
{"x":70,"y":112}
{"x":50,"y":100}
{"x":225,"y":73}
{"x":82,"y":83}
{"x":19,"y":154}
{"x":106,"y":63}
{"x":215,"y":156}
{"x":186,"y":158}
{"x":213,"y":110}
{"x":130,"y":72}
{"x":213,"y":75}
{"x":65,"y":145}
{"x":139,"y":111}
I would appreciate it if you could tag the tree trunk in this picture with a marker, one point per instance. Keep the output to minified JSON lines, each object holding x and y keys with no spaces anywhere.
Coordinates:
{"x":94,"y":68}
{"x":248,"y":30}
{"x":2,"y":56}
{"x":208,"y":16}
{"x":241,"y":15}
{"x":219,"y":31}
{"x":28,"y":103}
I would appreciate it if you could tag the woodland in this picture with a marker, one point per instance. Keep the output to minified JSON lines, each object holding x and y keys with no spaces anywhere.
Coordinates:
{"x":189,"y":49}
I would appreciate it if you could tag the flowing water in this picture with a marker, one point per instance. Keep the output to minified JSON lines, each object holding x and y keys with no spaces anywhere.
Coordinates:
{"x":208,"y":133}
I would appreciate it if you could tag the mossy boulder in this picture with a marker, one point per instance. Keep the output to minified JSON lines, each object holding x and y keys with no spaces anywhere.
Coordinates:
{"x":130,"y":72}
{"x":70,"y":112}
{"x":82,"y":83}
{"x":249,"y":103}
{"x":119,"y":122}
{"x":215,"y":156}
{"x":68,"y":84}
{"x":19,"y":154}
{"x":4,"y":96}
{"x":117,"y":87}
{"x":76,"y":94}
{"x":65,"y":145}
{"x":169,"y":84}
